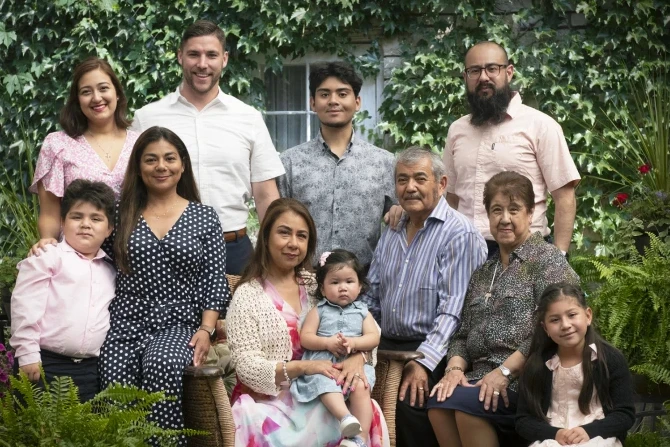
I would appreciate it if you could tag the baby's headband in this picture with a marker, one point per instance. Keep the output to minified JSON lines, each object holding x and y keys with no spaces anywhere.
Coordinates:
{"x":324,"y":256}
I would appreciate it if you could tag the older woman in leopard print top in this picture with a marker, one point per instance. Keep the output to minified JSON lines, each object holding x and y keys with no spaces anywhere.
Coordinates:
{"x":477,"y":395}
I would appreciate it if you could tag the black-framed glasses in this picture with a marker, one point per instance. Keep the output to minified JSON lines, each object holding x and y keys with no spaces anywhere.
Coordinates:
{"x":492,"y":70}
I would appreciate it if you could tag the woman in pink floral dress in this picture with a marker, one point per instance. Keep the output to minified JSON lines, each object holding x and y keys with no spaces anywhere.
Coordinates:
{"x":262,"y":323}
{"x":95,"y":143}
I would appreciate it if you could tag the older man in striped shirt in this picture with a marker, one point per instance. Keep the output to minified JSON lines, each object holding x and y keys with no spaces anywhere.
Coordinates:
{"x":418,"y":277}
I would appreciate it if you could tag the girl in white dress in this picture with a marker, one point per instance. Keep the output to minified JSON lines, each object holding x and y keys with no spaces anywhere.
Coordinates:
{"x":575,"y":388}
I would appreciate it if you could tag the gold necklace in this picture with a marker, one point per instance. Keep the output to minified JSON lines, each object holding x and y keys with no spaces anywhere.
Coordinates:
{"x":165,"y":213}
{"x":108,"y":156}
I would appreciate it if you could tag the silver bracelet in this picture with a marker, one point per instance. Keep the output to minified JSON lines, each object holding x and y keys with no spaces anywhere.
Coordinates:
{"x":284,"y":362}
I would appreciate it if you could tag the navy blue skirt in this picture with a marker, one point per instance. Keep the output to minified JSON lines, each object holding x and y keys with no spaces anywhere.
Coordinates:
{"x":467,"y":400}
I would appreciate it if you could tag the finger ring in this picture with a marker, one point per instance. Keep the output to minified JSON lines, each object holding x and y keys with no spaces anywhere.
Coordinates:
{"x":420,"y":389}
{"x":357,"y":375}
{"x":496,"y":393}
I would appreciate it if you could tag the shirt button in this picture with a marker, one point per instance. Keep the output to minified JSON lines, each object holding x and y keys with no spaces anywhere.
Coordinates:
{"x":393,"y":310}
{"x":400,"y":286}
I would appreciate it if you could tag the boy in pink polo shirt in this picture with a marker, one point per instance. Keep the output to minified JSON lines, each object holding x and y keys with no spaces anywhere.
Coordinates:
{"x":59,"y":304}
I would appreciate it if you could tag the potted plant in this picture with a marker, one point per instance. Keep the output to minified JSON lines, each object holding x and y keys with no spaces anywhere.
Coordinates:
{"x":638,"y":163}
{"x":117,"y":416}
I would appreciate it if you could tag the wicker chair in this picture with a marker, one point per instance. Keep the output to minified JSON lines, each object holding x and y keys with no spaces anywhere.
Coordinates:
{"x":207,"y":407}
{"x":389,"y":374}
{"x":206,"y":403}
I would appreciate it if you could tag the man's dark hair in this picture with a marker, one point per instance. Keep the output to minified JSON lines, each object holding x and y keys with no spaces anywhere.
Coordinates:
{"x":341,"y":70}
{"x":204,"y":28}
{"x":98,"y":194}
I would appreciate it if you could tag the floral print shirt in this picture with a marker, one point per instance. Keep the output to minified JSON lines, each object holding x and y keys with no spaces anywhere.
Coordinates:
{"x":494,"y":328}
{"x":347,"y":196}
{"x":63,"y":159}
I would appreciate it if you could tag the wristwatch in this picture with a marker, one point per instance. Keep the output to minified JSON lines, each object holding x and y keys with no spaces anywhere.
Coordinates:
{"x":505,"y":372}
{"x":210,"y":330}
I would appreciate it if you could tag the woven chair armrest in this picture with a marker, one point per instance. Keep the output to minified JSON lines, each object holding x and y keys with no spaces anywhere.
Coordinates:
{"x":203,"y":371}
{"x":400,"y":356}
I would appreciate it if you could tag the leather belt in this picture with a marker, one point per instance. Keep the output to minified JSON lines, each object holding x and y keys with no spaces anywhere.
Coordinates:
{"x":231,"y":236}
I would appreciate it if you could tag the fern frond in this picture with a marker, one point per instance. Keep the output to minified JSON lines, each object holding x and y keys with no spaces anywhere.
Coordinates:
{"x":632,"y":307}
{"x":656,"y":373}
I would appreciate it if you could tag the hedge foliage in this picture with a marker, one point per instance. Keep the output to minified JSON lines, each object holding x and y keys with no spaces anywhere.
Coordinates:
{"x":573,"y":72}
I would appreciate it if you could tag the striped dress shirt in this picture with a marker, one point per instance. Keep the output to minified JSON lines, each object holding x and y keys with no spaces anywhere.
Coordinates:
{"x":417,"y":291}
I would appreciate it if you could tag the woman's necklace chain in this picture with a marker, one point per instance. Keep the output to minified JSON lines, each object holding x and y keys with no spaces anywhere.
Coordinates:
{"x":108,"y":156}
{"x":488,"y":294}
{"x":165,"y":213}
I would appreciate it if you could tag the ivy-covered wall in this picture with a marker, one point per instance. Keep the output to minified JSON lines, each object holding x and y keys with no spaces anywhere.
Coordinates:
{"x":573,"y":59}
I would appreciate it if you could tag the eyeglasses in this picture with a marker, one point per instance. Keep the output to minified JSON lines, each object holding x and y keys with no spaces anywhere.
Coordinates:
{"x":492,"y":70}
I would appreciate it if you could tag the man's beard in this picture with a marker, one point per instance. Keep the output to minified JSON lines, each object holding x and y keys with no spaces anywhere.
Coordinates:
{"x":492,"y":109}
{"x":198,"y":89}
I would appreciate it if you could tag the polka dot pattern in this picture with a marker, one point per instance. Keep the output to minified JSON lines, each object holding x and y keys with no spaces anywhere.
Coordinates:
{"x":158,"y":307}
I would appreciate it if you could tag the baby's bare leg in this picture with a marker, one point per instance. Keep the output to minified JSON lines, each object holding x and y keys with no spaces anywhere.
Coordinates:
{"x":334,"y":402}
{"x":360,"y":404}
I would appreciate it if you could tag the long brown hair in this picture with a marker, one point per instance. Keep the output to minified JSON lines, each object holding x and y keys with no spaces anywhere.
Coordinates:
{"x":532,"y":383}
{"x":72,"y":119}
{"x":134,"y":193}
{"x":259,"y":264}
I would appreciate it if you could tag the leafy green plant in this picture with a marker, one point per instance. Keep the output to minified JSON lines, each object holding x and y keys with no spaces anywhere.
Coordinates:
{"x":117,"y":416}
{"x":638,"y":164}
{"x":6,"y":367}
{"x":20,"y":208}
{"x":8,"y":272}
{"x":659,"y":438}
{"x":572,"y":59}
{"x":632,"y":307}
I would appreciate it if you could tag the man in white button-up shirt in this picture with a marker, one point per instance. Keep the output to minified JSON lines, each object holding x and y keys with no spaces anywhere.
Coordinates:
{"x":229,"y":144}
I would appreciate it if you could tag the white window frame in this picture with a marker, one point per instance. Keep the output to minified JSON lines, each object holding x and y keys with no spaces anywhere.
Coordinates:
{"x":377,"y":84}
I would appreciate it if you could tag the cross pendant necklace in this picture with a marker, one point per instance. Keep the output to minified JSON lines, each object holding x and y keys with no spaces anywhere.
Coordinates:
{"x":488,"y":294}
{"x":107,"y":155}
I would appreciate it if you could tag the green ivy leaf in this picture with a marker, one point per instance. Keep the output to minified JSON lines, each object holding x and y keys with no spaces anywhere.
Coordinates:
{"x":6,"y":37}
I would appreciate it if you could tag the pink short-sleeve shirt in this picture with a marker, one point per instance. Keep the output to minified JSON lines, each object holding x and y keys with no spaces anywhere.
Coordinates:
{"x":527,"y":141}
{"x":63,"y":159}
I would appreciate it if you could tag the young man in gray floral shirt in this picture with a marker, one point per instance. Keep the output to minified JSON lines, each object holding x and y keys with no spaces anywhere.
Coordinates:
{"x":347,"y":184}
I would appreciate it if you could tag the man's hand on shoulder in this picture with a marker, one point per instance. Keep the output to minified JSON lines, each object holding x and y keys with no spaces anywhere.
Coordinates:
{"x":392,"y":218}
{"x":414,"y":381}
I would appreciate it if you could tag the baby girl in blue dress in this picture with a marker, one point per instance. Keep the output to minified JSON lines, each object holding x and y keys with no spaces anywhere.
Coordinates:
{"x":335,"y":328}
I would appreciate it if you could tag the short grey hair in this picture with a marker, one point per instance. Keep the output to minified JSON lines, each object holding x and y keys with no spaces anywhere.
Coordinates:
{"x":415,"y":154}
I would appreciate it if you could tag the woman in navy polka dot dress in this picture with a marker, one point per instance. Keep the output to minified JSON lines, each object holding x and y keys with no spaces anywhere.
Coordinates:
{"x":171,"y":285}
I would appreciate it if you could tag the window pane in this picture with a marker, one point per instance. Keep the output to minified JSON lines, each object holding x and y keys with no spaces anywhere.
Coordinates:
{"x":287,"y":90}
{"x":287,"y":130}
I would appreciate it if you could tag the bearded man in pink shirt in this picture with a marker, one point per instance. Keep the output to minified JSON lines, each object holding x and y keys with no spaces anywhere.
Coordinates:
{"x":59,"y":304}
{"x":502,"y":134}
